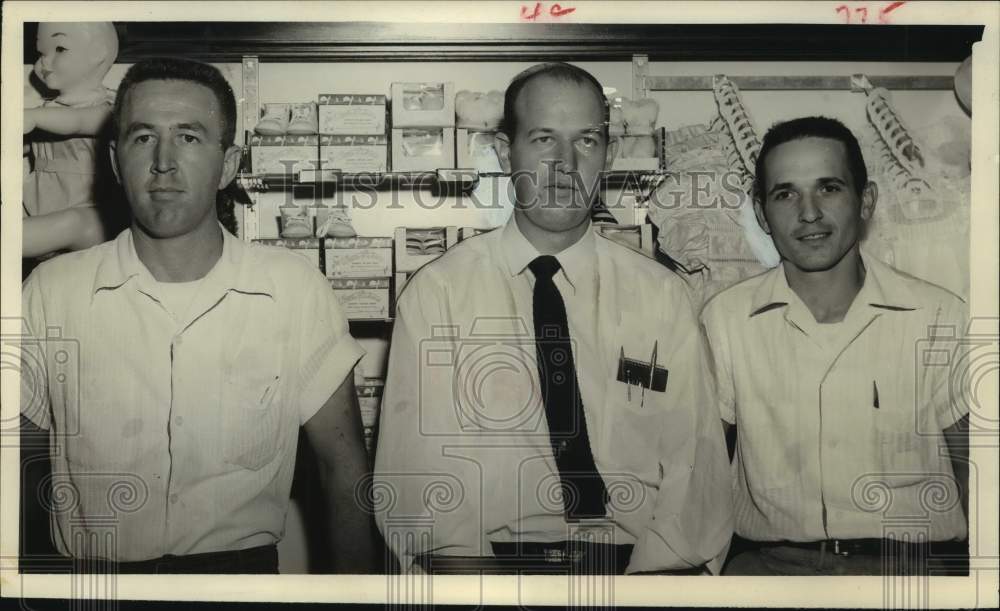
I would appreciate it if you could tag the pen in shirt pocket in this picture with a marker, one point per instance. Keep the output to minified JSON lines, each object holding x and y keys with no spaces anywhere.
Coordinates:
{"x":875,"y":394}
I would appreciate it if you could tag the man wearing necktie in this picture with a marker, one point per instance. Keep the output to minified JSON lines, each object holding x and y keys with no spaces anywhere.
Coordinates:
{"x":548,"y":406}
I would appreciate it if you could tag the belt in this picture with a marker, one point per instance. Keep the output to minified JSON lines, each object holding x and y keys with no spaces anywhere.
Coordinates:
{"x":573,"y":557}
{"x":874,"y":547}
{"x":255,"y":560}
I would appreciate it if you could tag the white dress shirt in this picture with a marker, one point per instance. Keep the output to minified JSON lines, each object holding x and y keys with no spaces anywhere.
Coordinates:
{"x":464,"y":456}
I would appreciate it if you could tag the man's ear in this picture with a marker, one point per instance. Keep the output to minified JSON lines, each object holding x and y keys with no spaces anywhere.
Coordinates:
{"x":613,"y":145}
{"x":501,"y":143}
{"x":869,"y":197}
{"x":112,"y":152}
{"x":230,"y":165}
{"x":758,"y":211}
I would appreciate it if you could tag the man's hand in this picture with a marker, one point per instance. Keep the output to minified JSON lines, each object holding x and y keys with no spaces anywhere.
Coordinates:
{"x":337,"y":437}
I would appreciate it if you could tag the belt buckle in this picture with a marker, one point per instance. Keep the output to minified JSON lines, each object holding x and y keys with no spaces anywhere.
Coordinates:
{"x":554,"y":556}
{"x":837,"y":551}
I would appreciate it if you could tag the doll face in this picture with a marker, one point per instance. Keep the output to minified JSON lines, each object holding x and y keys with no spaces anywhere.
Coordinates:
{"x":72,"y":56}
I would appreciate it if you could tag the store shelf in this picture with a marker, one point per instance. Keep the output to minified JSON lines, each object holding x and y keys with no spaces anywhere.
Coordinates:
{"x":449,"y":181}
{"x":446,"y":181}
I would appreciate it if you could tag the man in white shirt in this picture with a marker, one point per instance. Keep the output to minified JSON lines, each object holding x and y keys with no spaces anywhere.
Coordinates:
{"x":844,"y":426}
{"x":177,"y":363}
{"x":546,"y":406}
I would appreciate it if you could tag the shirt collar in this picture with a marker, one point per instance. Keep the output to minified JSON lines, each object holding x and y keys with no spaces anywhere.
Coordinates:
{"x":883,"y":289}
{"x":233,"y":271}
{"x":578,"y":262}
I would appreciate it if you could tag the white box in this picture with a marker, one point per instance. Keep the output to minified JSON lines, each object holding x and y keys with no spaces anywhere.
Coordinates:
{"x":345,"y":113}
{"x":283,"y":155}
{"x":370,"y":400}
{"x":308,"y":248}
{"x":354,"y":153}
{"x":474,"y":150}
{"x":358,"y":257}
{"x":363,"y":298}
{"x":422,"y":149}
{"x":423,"y":105}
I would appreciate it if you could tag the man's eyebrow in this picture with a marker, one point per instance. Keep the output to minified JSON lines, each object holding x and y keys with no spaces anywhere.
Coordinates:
{"x":779,"y":186}
{"x":58,"y":34}
{"x":832,"y":179}
{"x":136,"y":126}
{"x":196,"y":126}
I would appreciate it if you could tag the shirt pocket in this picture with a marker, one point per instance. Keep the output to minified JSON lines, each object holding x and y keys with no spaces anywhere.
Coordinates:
{"x":901,"y":438}
{"x":253,"y":422}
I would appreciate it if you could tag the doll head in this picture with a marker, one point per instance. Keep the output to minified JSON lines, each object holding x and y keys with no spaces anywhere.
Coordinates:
{"x":75,"y":56}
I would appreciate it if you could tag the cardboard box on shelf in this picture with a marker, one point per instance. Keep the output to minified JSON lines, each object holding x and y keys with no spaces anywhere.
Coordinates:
{"x":308,"y":248}
{"x":421,"y":149}
{"x":363,"y":298}
{"x":358,"y":257}
{"x":474,"y":149}
{"x":283,"y":155}
{"x":370,"y":399}
{"x":423,"y":105}
{"x":354,"y":153}
{"x":347,"y":113}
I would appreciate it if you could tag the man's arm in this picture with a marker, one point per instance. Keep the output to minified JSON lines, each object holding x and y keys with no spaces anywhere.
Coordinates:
{"x":336,"y":435}
{"x":957,"y":438}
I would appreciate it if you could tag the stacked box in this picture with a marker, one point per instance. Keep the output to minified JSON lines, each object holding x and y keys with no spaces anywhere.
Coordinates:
{"x":370,"y":400}
{"x":363,"y":298}
{"x":474,"y":149}
{"x":308,"y":248}
{"x":423,"y":105}
{"x":423,"y":149}
{"x":423,"y":126}
{"x":358,"y":257}
{"x":351,"y":114}
{"x":283,"y":155}
{"x":354,"y":153}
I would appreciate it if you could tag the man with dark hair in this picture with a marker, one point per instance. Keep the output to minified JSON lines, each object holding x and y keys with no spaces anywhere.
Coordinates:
{"x":180,"y":363}
{"x":844,"y":425}
{"x":545,"y":407}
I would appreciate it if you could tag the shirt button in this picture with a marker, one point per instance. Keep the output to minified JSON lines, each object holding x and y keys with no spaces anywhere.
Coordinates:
{"x":173,"y":498}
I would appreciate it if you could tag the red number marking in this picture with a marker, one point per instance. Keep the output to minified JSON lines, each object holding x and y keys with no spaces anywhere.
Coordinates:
{"x":864,"y":13}
{"x":884,"y":12}
{"x":847,"y":12}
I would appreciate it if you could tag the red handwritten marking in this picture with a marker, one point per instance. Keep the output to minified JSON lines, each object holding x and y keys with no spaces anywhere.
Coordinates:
{"x":864,"y":13}
{"x":531,"y":16}
{"x":884,"y":12}
{"x":558,"y":11}
{"x":842,"y":7}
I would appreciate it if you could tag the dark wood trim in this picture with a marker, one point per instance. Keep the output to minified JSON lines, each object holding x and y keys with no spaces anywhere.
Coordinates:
{"x":377,"y":41}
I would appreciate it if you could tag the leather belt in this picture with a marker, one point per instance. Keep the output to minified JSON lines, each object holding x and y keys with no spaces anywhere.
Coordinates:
{"x":573,"y":557}
{"x":874,"y":547}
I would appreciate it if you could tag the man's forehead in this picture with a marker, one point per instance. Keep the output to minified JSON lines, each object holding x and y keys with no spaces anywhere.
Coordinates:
{"x":545,"y":98}
{"x":803,"y":154}
{"x":171,"y":100}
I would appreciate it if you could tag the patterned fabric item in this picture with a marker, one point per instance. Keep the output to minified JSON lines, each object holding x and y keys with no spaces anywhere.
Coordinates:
{"x":921,"y":220}
{"x":703,"y":208}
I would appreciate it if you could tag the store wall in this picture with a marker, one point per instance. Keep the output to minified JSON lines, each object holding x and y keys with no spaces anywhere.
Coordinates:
{"x":923,"y":111}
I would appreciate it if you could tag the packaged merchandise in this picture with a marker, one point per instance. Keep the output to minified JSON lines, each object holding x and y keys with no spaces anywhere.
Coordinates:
{"x":283,"y":155}
{"x":354,"y":153}
{"x":474,"y":149}
{"x":479,"y":111}
{"x":423,"y":105}
{"x":303,"y":121}
{"x":423,"y":149}
{"x":363,"y":298}
{"x":345,"y":113}
{"x":358,"y":257}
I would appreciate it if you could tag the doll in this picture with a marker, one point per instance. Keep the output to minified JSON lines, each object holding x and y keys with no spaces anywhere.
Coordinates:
{"x":59,"y":208}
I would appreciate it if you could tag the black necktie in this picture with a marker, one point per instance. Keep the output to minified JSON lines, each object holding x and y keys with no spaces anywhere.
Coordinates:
{"x":583,"y":489}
